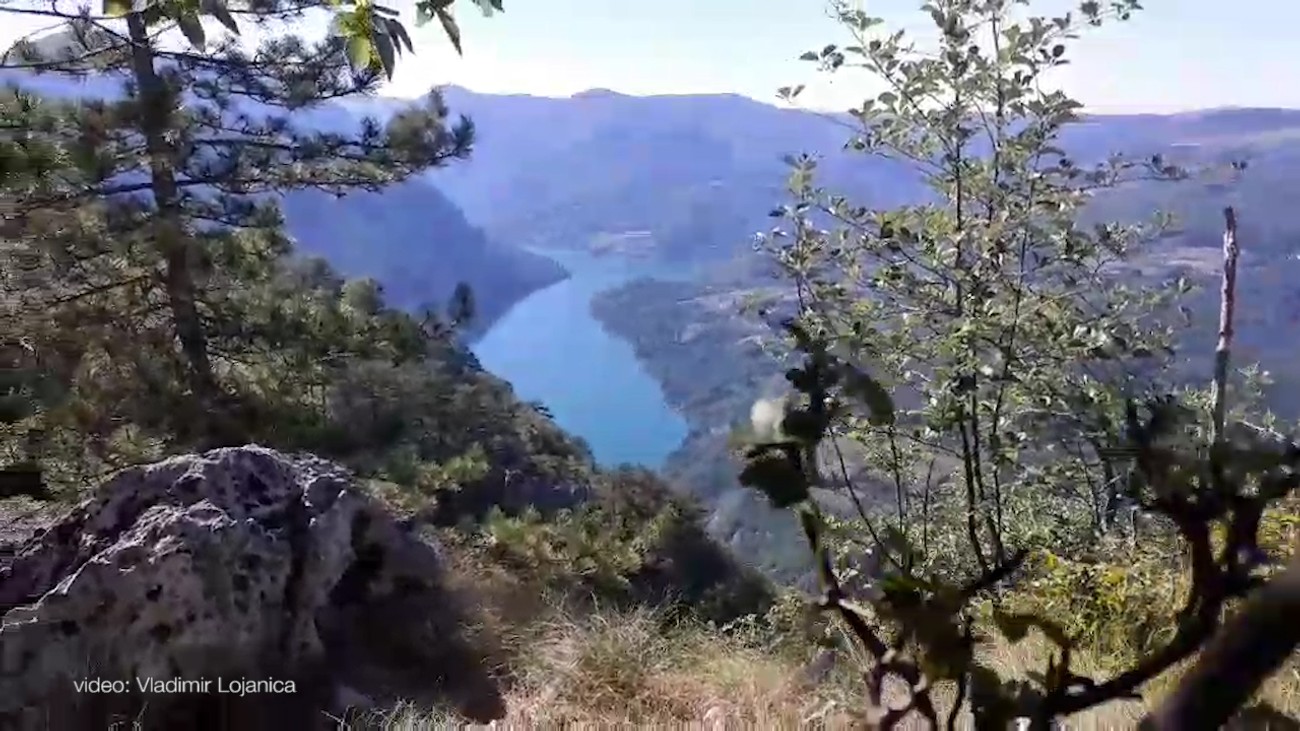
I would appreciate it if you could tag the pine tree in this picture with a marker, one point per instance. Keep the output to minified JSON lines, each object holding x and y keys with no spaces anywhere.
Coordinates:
{"x":158,"y":199}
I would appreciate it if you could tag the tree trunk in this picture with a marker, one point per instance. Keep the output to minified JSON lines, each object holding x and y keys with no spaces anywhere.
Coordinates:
{"x":169,"y":233}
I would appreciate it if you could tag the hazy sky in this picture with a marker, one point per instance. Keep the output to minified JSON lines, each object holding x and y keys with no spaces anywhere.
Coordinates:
{"x":1176,"y":54}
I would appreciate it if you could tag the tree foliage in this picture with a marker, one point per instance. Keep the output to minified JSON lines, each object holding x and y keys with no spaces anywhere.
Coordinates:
{"x":983,"y":354}
{"x":373,"y":35}
{"x":158,"y":199}
{"x":153,"y":300}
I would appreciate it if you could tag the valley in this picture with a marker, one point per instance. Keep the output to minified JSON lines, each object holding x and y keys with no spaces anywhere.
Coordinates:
{"x":555,"y":353}
{"x":675,"y":194}
{"x":505,"y":403}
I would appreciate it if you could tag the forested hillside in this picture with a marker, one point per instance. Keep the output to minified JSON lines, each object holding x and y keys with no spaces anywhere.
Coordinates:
{"x":155,"y":302}
{"x":412,"y":239}
{"x":699,"y":173}
{"x":418,"y":245}
{"x":978,"y":428}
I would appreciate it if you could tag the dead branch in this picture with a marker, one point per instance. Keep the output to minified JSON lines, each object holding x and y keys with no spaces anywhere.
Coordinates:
{"x":1227,"y":305}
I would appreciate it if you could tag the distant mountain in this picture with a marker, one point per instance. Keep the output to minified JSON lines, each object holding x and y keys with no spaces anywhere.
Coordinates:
{"x":692,"y":177}
{"x":410,"y":237}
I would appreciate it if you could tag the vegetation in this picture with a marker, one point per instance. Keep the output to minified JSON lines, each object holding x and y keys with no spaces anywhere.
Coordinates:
{"x":414,"y":241}
{"x":979,"y":362}
{"x":154,"y":304}
{"x":1037,"y":390}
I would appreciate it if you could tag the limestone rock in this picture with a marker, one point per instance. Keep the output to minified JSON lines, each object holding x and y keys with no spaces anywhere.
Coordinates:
{"x":241,"y":563}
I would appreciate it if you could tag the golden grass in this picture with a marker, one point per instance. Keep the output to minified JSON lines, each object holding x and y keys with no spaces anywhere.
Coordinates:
{"x":618,"y":670}
{"x":571,"y":664}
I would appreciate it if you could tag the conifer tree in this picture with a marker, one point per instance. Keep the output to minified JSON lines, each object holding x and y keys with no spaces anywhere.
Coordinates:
{"x":154,"y":195}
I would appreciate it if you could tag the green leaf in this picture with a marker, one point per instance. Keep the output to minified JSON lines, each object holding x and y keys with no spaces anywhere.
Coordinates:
{"x":776,"y":474}
{"x":400,"y":36}
{"x":803,"y":340}
{"x":862,"y":387}
{"x":427,"y":10}
{"x":383,"y":45}
{"x":360,"y":52}
{"x":489,"y":7}
{"x":192,"y":29}
{"x":453,"y":30}
{"x":801,"y":379}
{"x":901,"y":586}
{"x":804,"y":426}
{"x":116,"y":8}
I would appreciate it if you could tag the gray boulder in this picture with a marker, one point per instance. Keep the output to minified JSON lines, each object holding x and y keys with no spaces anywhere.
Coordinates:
{"x":238,"y":565}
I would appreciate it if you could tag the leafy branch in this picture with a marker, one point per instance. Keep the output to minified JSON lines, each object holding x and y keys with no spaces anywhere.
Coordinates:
{"x":374,"y":34}
{"x":1033,"y":367}
{"x":1229,"y":483}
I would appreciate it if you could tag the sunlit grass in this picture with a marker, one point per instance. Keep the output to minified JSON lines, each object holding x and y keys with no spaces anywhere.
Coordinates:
{"x":570,"y":663}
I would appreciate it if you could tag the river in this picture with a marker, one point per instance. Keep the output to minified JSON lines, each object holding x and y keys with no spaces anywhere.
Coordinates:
{"x":551,"y":348}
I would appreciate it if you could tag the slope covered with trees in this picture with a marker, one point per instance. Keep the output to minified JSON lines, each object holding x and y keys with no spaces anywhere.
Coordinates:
{"x":412,"y":239}
{"x":995,"y":355}
{"x":155,"y":303}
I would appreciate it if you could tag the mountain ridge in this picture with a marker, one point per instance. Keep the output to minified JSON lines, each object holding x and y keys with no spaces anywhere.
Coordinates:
{"x":700,"y":172}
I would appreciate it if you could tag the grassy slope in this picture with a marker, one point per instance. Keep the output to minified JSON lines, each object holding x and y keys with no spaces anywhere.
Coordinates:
{"x":569,"y":663}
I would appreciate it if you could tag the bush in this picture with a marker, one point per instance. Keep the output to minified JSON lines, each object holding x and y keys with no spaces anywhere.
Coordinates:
{"x":634,"y":542}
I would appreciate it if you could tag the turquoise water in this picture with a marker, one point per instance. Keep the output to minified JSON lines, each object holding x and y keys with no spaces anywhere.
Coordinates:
{"x":551,"y":348}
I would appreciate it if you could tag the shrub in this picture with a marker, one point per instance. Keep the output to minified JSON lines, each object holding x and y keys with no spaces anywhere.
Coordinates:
{"x":634,"y":542}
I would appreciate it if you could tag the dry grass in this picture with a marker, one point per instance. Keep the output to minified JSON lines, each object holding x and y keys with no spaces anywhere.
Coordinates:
{"x":567,"y":663}
{"x":611,"y":670}
{"x":572,"y":664}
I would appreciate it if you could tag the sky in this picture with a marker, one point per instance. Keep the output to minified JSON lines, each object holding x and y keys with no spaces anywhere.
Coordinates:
{"x":1173,"y":56}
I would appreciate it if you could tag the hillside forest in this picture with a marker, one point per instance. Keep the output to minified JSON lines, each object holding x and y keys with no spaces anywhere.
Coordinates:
{"x":963,"y":448}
